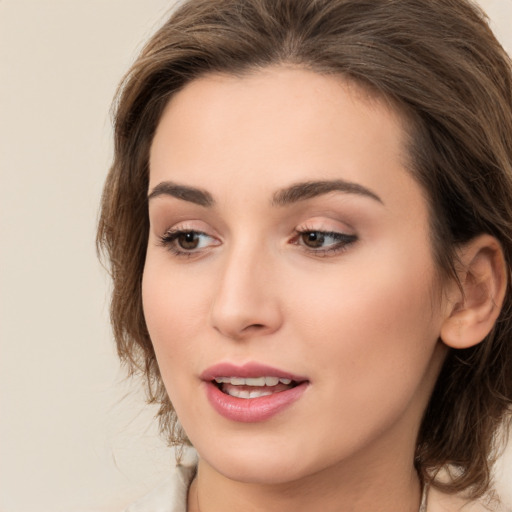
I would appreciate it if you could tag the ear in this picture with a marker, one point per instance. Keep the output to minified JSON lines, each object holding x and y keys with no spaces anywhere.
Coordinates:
{"x":483,"y":275}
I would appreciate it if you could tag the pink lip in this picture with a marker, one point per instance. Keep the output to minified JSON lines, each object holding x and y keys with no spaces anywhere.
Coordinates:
{"x":246,"y":371}
{"x":249,"y":410}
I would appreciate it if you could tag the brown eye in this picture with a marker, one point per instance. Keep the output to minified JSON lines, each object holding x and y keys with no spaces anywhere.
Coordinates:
{"x":313,"y":239}
{"x":188,"y":240}
{"x":324,"y":242}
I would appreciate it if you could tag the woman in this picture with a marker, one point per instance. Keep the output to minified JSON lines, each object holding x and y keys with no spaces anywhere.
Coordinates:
{"x":308,"y":221}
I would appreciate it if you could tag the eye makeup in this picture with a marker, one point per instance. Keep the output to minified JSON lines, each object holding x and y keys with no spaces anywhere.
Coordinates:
{"x":323,"y":243}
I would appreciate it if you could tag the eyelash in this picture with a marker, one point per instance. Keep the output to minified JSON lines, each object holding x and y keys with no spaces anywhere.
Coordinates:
{"x":341,"y":241}
{"x":170,"y":241}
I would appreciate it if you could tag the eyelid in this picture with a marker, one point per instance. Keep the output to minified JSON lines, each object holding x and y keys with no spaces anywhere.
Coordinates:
{"x":342,"y":242}
{"x":170,"y":239}
{"x":326,"y":223}
{"x":342,"y":236}
{"x":186,"y":225}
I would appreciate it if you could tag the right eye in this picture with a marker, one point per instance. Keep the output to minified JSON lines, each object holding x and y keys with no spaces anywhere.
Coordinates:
{"x":187,"y":242}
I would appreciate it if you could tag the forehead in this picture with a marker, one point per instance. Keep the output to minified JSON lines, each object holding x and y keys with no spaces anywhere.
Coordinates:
{"x":275,"y":126}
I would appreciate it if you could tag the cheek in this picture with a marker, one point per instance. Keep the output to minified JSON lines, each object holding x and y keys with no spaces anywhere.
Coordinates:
{"x":174,"y":318}
{"x":369,"y":325}
{"x":173,"y":313}
{"x":368,"y":335}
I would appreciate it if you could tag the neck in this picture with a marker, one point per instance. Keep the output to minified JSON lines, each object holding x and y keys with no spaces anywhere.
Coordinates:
{"x":342,"y":488}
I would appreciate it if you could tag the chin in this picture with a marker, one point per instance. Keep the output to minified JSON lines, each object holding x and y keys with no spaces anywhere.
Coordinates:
{"x":270,"y":458}
{"x":263,"y":470}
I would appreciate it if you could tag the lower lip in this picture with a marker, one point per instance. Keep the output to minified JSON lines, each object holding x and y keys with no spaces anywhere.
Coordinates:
{"x":251,"y":410}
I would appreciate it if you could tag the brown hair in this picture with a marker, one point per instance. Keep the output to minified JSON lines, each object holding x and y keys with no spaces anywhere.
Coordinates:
{"x":441,"y":64}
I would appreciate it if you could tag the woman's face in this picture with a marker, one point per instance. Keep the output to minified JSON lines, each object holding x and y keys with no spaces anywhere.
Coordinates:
{"x":289,"y":242}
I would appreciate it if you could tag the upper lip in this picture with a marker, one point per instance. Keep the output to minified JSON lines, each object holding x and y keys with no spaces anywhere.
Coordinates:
{"x":248,"y":370}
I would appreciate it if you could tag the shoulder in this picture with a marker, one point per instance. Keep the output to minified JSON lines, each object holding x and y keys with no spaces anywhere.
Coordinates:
{"x":441,"y":502}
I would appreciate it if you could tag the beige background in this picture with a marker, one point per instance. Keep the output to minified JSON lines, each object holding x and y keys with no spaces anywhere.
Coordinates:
{"x":74,"y":436}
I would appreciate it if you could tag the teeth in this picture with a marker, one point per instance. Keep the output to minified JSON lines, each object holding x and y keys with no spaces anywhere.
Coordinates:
{"x":260,"y":381}
{"x":242,"y":393}
{"x":254,"y":381}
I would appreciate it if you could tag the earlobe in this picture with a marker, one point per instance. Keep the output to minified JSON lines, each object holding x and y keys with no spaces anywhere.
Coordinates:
{"x":483,"y":276}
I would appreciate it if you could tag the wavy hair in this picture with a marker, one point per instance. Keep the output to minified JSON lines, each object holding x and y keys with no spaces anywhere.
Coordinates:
{"x":441,"y":66}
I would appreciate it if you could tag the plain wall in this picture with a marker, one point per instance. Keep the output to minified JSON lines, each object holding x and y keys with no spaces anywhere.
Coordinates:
{"x":73,"y":435}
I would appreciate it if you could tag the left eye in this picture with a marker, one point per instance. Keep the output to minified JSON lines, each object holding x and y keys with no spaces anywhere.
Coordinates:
{"x":324,"y":240}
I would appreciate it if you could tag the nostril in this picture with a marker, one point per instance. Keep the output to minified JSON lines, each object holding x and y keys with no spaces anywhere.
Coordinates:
{"x":255,"y":327}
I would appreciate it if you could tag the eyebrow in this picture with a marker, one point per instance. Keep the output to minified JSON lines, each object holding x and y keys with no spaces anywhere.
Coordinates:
{"x":190,"y":194}
{"x":310,"y":189}
{"x":289,"y":195}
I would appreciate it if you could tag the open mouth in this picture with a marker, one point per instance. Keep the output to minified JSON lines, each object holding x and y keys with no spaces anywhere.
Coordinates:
{"x":251,"y":392}
{"x":254,"y":387}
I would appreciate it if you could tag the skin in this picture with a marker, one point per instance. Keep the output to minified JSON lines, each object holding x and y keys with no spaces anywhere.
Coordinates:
{"x":361,"y":321}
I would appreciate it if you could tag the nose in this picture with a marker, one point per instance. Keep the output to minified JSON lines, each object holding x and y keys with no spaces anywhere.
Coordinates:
{"x":246,"y":301}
